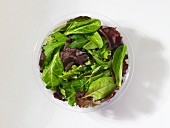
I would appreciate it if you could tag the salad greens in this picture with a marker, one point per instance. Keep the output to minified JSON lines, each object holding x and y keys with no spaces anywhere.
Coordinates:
{"x":57,"y":40}
{"x":51,"y":72}
{"x":82,"y":62}
{"x":96,"y":39}
{"x":101,"y":87}
{"x":117,"y":63}
{"x":83,"y":27}
{"x":89,"y":45}
{"x":78,"y":41}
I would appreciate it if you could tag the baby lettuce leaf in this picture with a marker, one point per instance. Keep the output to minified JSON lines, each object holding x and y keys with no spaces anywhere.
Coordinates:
{"x":90,"y":45}
{"x":71,"y":99}
{"x":69,"y":93}
{"x":48,"y":39}
{"x":58,"y":95}
{"x":74,"y":55}
{"x":99,"y":61}
{"x":60,"y":28}
{"x":113,"y":37}
{"x":83,"y":27}
{"x":69,"y":89}
{"x":78,"y":19}
{"x":72,"y":72}
{"x":117,"y":63}
{"x":57,"y":36}
{"x":78,"y":41}
{"x":77,"y":85}
{"x":51,"y":72}
{"x":96,"y":39}
{"x":95,"y":70}
{"x":64,"y":27}
{"x":63,"y":92}
{"x":76,"y":24}
{"x":104,"y":52}
{"x":106,"y":73}
{"x":100,"y":69}
{"x":49,"y":48}
{"x":100,"y":88}
{"x":41,"y":61}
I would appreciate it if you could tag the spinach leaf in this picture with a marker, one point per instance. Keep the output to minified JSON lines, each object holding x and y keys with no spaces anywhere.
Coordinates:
{"x":83,"y":27}
{"x":78,"y":41}
{"x":117,"y":63}
{"x":100,"y":88}
{"x":96,"y":39}
{"x":51,"y":72}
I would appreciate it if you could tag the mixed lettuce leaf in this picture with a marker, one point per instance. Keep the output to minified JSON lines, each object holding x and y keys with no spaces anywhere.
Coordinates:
{"x":83,"y":62}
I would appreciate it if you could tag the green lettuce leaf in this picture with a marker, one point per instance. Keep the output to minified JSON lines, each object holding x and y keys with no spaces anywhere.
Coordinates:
{"x":83,"y":27}
{"x":51,"y":72}
{"x":72,"y":73}
{"x":89,"y":45}
{"x":117,"y":63}
{"x":104,"y":52}
{"x":78,"y":41}
{"x":69,"y":89}
{"x":57,"y":41}
{"x":99,"y":61}
{"x":100,"y":88}
{"x":64,"y":27}
{"x":105,"y":73}
{"x":57,"y":36}
{"x":96,"y":39}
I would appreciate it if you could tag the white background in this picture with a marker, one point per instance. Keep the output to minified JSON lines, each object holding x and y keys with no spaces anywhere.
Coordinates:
{"x":145,"y":104}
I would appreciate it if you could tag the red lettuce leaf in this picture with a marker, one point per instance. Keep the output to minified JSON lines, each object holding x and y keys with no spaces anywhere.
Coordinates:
{"x":73,"y":55}
{"x":42,"y":57}
{"x":58,"y":95}
{"x":113,"y":36}
{"x":108,"y":97}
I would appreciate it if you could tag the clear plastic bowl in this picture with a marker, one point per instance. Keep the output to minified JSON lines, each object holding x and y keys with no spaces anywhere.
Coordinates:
{"x":105,"y":21}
